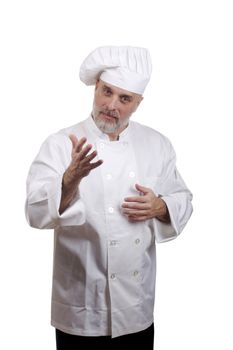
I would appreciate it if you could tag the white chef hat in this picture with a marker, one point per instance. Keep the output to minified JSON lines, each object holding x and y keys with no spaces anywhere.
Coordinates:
{"x":126,"y":67}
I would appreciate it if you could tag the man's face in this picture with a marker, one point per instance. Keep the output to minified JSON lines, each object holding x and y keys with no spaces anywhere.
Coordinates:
{"x":112,"y":107}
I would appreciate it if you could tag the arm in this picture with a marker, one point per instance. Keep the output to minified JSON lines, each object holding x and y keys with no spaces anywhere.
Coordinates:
{"x":52,"y":193}
{"x":170,"y":210}
{"x":146,"y":206}
{"x":79,"y":167}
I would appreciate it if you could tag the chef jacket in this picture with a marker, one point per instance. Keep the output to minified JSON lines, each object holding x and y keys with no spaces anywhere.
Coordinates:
{"x":105,"y":265}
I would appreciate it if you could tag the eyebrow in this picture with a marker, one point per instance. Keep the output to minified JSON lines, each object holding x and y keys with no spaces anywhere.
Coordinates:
{"x":106,"y":87}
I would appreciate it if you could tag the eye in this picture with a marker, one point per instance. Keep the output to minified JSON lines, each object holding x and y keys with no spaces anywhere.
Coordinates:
{"x":107,"y":91}
{"x":125,"y":99}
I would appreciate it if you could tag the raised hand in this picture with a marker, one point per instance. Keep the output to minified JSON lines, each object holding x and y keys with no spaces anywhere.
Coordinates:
{"x":79,"y":167}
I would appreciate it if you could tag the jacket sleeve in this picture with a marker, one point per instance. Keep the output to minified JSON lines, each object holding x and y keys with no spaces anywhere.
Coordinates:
{"x":44,"y":185}
{"x":177,"y":197}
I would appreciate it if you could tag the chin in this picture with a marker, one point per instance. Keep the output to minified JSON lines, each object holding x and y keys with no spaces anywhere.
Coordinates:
{"x":107,"y":117}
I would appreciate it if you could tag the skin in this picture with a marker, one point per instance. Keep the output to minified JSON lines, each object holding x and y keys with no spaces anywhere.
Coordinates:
{"x":112,"y":109}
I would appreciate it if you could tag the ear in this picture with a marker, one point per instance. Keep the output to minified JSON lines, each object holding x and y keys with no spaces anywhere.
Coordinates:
{"x":96,"y":84}
{"x":140,"y":99}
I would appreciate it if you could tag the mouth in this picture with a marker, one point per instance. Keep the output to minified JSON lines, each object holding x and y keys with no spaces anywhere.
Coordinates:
{"x":108,"y":116}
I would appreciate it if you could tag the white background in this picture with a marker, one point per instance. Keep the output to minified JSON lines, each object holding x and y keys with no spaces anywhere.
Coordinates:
{"x":189,"y":99}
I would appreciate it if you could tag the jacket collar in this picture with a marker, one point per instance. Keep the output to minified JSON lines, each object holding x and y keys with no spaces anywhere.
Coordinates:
{"x":94,"y":129}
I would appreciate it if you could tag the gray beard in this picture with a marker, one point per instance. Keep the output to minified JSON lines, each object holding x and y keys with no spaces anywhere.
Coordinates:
{"x":109,"y":127}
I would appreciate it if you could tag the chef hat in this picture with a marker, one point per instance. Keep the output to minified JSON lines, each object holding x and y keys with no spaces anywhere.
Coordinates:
{"x":126,"y":67}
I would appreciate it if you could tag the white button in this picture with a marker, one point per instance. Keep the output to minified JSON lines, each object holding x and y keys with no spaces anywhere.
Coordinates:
{"x":132,"y":174}
{"x":101,"y":145}
{"x":137,"y":241}
{"x":108,"y":176}
{"x":113,"y":243}
{"x":135,"y":273}
{"x":110,"y":210}
{"x":113,"y":276}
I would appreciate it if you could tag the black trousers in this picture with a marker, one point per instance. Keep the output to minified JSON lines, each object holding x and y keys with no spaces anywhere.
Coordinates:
{"x":140,"y":340}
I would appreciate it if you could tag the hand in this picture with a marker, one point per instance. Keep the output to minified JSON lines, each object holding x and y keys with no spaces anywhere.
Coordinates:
{"x":80,"y":165}
{"x":145,"y":206}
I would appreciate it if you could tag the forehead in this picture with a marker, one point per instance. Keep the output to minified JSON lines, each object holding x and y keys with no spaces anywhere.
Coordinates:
{"x":116,"y":89}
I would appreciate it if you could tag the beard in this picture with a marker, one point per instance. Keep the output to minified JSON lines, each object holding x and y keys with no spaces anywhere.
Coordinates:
{"x":109,"y":121}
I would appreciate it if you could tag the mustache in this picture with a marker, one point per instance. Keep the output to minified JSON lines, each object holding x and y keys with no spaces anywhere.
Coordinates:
{"x":109,"y":113}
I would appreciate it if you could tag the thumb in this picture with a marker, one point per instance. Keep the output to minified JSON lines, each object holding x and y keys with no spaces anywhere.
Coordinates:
{"x":142,"y":189}
{"x":74,"y":140}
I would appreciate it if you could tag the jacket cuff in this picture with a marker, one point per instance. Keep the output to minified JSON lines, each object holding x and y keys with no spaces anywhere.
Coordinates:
{"x":73,"y":215}
{"x":163,"y":231}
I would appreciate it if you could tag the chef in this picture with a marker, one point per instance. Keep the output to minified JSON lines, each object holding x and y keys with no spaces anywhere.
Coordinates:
{"x":110,"y":190}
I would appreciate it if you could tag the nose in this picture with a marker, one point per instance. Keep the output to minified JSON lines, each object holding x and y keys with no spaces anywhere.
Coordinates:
{"x":113,"y":103}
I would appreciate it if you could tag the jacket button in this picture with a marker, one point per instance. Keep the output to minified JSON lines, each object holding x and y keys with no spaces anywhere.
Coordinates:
{"x":137,"y":241}
{"x":110,"y":210}
{"x":132,"y":174}
{"x":113,"y":276}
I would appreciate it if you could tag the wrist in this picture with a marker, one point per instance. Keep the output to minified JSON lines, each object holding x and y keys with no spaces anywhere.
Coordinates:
{"x":70,"y":183}
{"x":164,"y":215}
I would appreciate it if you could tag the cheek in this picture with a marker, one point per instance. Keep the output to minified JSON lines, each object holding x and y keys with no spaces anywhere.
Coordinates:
{"x":101,"y":101}
{"x":127,"y":111}
{"x":98,"y":98}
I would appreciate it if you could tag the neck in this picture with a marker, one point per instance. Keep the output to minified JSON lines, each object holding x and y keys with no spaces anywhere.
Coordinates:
{"x":112,"y":136}
{"x":116,"y":136}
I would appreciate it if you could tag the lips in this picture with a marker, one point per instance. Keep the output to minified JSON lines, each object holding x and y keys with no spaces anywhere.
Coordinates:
{"x":108,"y":116}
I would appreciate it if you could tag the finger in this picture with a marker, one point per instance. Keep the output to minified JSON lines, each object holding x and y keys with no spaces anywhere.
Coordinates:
{"x":137,"y":218}
{"x":134,"y":212}
{"x":80,"y":145}
{"x":89,"y":158}
{"x":82,"y":154}
{"x":91,"y":166}
{"x":76,"y":144}
{"x":142,"y":189}
{"x":135,"y":205}
{"x":96,"y":164}
{"x":140,"y":199}
{"x":73,"y":139}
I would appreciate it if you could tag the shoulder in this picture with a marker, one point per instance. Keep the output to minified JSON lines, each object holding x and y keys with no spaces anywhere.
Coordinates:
{"x":73,"y":129}
{"x":149,"y":135}
{"x":152,"y":144}
{"x":61,"y":137}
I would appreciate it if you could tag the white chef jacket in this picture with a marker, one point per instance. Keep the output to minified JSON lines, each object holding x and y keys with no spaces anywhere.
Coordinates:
{"x":105,"y":265}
